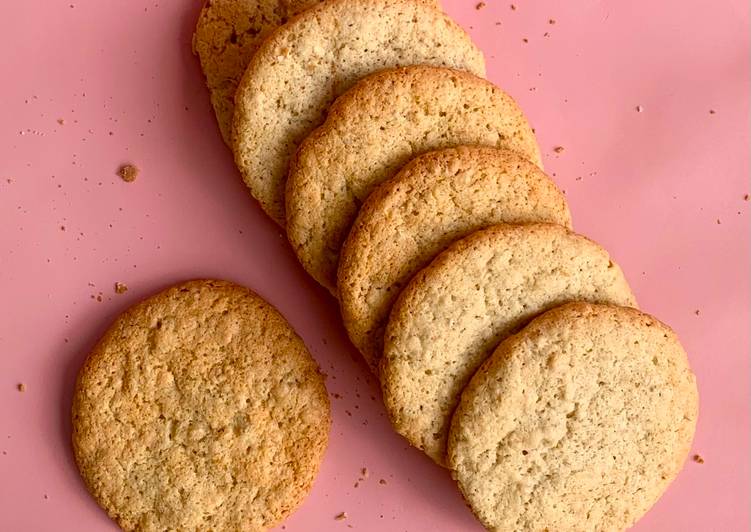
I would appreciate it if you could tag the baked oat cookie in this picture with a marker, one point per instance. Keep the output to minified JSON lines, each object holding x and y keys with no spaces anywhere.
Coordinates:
{"x":200,"y":409}
{"x":435,"y":199}
{"x":303,"y":66}
{"x":227,"y":35}
{"x":454,"y":312}
{"x":579,"y":422}
{"x":371,"y":132}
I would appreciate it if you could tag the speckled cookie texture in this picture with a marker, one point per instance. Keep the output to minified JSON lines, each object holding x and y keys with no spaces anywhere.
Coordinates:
{"x":304,"y":65}
{"x":200,"y":409}
{"x":435,"y":199}
{"x":579,"y":422}
{"x":371,"y":132}
{"x":454,"y":312}
{"x":227,"y":35}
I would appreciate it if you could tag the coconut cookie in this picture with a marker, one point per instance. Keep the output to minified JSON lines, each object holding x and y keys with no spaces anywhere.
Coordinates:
{"x":434,"y":200}
{"x":579,"y":422}
{"x":227,"y":35}
{"x":454,"y":312}
{"x":299,"y":70}
{"x":371,"y":132}
{"x":200,"y":409}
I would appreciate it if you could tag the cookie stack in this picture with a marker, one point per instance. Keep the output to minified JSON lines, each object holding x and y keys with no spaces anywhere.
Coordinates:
{"x":508,"y":347}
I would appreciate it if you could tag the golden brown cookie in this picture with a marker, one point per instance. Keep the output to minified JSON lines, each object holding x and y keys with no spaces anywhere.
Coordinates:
{"x":454,"y":312}
{"x":579,"y":422}
{"x":200,"y":409}
{"x":304,"y":65}
{"x":437,"y":198}
{"x":371,"y":132}
{"x":227,"y":35}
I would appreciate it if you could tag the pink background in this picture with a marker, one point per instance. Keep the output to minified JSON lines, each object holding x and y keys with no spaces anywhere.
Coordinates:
{"x":663,"y":189}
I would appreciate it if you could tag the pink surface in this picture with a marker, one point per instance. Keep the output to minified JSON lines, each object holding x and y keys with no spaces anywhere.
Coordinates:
{"x":663,"y":189}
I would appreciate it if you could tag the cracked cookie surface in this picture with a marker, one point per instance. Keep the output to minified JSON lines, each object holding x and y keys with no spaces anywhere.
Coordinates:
{"x":437,"y":198}
{"x":455,"y":311}
{"x":579,"y":422}
{"x":227,"y":35}
{"x":371,"y":132}
{"x":199,"y":409}
{"x":303,"y":66}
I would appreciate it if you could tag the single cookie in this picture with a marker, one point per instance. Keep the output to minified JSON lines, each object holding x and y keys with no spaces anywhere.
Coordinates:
{"x":579,"y":422}
{"x":434,"y":200}
{"x":304,"y":65}
{"x":371,"y":132}
{"x":200,"y":409}
{"x":454,"y":312}
{"x":227,"y":35}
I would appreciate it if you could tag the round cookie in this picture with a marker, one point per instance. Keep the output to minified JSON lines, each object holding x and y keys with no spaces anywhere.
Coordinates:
{"x":371,"y":132}
{"x":304,"y":65}
{"x":454,"y":312}
{"x":199,"y":409}
{"x":437,"y":198}
{"x":228,"y":33}
{"x":579,"y":422}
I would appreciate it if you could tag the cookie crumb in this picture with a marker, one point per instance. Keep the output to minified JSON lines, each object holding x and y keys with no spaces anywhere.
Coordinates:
{"x":21,"y":387}
{"x":513,"y":7}
{"x":558,"y":149}
{"x":121,"y":288}
{"x":719,"y":222}
{"x":365,"y":472}
{"x":639,"y":109}
{"x":525,"y":40}
{"x":341,"y":516}
{"x":551,"y":21}
{"x":711,"y":111}
{"x":480,"y":5}
{"x":61,"y":121}
{"x":382,"y":482}
{"x":696,"y":312}
{"x":128,"y":173}
{"x":698,"y":459}
{"x":745,"y":197}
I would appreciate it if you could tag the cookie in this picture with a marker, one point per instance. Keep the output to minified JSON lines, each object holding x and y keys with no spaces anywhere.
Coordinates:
{"x":228,"y":33}
{"x":579,"y":422}
{"x":200,"y":409}
{"x":434,"y":200}
{"x":371,"y":132}
{"x":304,"y":65}
{"x":453,"y":313}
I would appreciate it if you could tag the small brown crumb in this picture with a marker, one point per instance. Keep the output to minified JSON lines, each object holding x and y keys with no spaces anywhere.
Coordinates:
{"x":128,"y":173}
{"x":696,"y":312}
{"x":382,"y":482}
{"x":21,"y":387}
{"x":357,"y":484}
{"x":99,"y":298}
{"x":61,"y":121}
{"x":551,"y":21}
{"x":745,"y":197}
{"x":525,"y":40}
{"x":639,"y":109}
{"x":719,"y":222}
{"x":121,"y":288}
{"x":62,"y":228}
{"x":480,"y":5}
{"x":365,"y":472}
{"x":711,"y":111}
{"x":513,"y":7}
{"x":698,"y":459}
{"x":341,"y":516}
{"x":558,"y":149}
